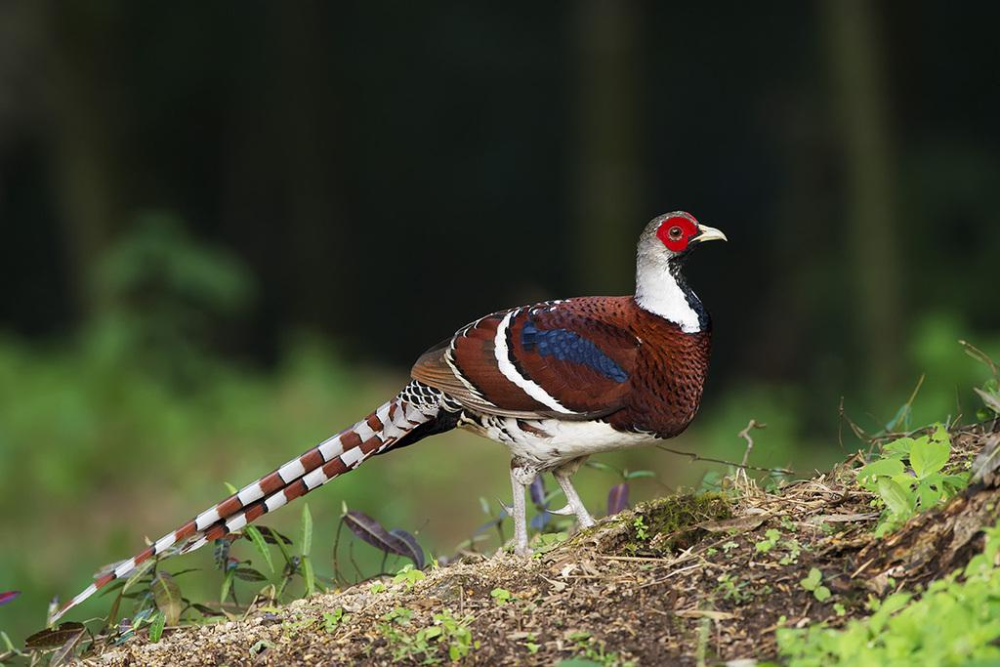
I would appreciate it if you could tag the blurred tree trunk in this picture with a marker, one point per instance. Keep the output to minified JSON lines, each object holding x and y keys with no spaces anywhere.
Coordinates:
{"x":86,"y":108}
{"x":606,"y":151}
{"x":870,"y":230}
{"x":317,"y":235}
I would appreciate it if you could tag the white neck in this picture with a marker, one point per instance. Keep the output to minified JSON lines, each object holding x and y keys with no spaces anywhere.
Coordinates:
{"x":658,"y":292}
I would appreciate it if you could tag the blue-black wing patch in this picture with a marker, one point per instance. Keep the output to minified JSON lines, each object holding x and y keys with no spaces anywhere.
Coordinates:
{"x":566,"y":345}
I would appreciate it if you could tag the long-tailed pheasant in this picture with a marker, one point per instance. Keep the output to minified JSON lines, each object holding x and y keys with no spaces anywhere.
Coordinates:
{"x":554,"y":382}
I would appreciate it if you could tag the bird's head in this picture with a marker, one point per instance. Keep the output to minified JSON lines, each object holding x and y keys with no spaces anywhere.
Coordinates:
{"x":659,"y":288}
{"x":675,"y":234}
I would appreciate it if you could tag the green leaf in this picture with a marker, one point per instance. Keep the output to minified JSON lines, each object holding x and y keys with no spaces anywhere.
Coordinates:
{"x":901,"y":446}
{"x":881,"y":468}
{"x":896,"y":499}
{"x":308,"y":575}
{"x":597,"y":465}
{"x":248,"y":574}
{"x":52,"y":637}
{"x":822,"y":593}
{"x":812,"y":581}
{"x":156,"y":627}
{"x":928,"y":457}
{"x":227,"y":583}
{"x":941,"y":434}
{"x":636,"y":474}
{"x":167,"y":595}
{"x":928,"y":495}
{"x":307,"y":530}
{"x":254,"y":535}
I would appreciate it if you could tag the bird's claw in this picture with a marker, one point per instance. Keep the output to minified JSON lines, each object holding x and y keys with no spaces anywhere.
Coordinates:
{"x":565,"y":511}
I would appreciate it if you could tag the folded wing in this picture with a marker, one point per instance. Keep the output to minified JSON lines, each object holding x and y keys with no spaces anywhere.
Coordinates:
{"x":552,"y":360}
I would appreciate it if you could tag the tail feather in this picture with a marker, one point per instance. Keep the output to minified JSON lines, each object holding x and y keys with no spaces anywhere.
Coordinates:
{"x":416,"y":406}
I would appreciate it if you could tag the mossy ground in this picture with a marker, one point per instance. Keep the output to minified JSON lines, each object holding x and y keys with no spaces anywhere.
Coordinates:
{"x":679,"y":580}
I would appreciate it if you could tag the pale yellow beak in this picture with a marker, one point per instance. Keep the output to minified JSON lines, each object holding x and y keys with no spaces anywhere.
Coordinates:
{"x":709,"y":234}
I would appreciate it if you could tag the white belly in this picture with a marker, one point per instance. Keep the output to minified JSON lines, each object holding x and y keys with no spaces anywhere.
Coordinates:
{"x":551,"y":442}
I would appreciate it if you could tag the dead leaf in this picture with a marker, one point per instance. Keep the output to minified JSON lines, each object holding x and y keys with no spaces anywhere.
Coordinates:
{"x":705,"y":613}
{"x":740,"y":524}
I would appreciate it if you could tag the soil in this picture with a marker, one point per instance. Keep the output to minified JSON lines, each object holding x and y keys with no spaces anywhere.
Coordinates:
{"x":681,"y":580}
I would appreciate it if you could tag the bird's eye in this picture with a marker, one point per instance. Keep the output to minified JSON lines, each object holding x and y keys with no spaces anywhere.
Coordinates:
{"x":675,"y":233}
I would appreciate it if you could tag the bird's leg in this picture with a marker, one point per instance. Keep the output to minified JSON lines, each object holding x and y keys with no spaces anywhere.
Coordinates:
{"x":521,"y":477}
{"x":573,"y":502}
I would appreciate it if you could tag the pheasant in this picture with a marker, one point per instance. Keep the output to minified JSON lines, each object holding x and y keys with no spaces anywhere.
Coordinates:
{"x":555,"y":382}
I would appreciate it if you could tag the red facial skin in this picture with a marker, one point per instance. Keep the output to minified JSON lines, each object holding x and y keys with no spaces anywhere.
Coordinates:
{"x":676,"y":233}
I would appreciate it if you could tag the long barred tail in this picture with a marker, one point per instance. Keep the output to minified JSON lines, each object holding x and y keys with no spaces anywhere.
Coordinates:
{"x":417,"y":411}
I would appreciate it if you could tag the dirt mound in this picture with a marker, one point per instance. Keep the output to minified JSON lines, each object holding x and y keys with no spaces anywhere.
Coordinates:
{"x":674,"y":581}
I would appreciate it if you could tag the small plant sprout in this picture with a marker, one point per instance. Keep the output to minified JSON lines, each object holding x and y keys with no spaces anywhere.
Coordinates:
{"x":813,"y":583}
{"x":333,"y":619}
{"x":409,"y":576}
{"x":905,"y":490}
{"x":641,"y":529}
{"x":618,"y":495}
{"x":770,"y":540}
{"x":501,"y":596}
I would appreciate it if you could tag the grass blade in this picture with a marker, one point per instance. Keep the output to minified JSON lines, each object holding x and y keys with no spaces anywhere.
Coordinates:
{"x":307,"y":530}
{"x":156,"y":627}
{"x":251,"y":533}
{"x":308,"y":575}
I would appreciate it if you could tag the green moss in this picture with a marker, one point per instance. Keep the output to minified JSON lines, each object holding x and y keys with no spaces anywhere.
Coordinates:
{"x":667,"y":524}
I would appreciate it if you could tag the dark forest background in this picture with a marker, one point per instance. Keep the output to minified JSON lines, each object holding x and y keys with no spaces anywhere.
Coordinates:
{"x":228,"y":228}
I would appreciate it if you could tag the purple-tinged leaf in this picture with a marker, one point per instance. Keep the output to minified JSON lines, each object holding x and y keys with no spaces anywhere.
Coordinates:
{"x":413,"y":550}
{"x":167,"y":595}
{"x":617,"y":499}
{"x":490,"y":525}
{"x":221,"y":554}
{"x":537,"y":490}
{"x":248,"y":574}
{"x":67,"y":651}
{"x":206,"y":610}
{"x":371,"y":531}
{"x":540,"y":520}
{"x":52,"y":637}
{"x":8,"y":596}
{"x":271,"y":536}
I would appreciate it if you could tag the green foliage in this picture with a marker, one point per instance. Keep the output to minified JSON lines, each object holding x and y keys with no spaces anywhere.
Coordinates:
{"x":156,"y":627}
{"x":904,"y":491}
{"x":770,"y":540}
{"x":167,"y":596}
{"x":955,"y":622}
{"x":546,"y":542}
{"x":305,"y":559}
{"x":501,"y":596}
{"x":789,"y":548}
{"x":409,"y":576}
{"x":733,"y":589}
{"x":333,"y":619}
{"x":447,"y":634}
{"x":167,"y":295}
{"x":813,"y":583}
{"x":258,"y":542}
{"x":77,"y":423}
{"x":590,"y":652}
{"x":641,"y":529}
